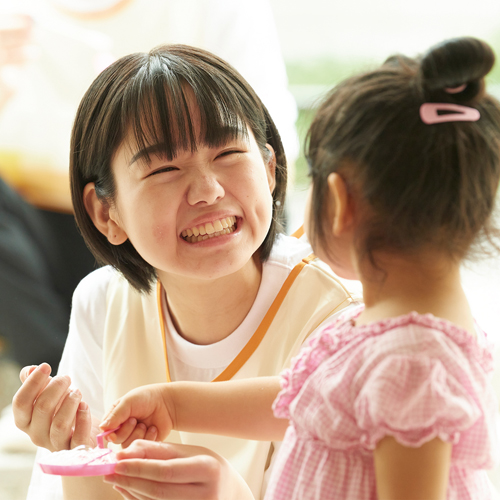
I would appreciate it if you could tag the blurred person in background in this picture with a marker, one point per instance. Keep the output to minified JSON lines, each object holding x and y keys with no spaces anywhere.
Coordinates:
{"x":51,"y":50}
{"x":34,"y":309}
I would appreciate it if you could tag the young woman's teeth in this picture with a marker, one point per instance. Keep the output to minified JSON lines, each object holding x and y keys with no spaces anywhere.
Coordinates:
{"x":210,"y":230}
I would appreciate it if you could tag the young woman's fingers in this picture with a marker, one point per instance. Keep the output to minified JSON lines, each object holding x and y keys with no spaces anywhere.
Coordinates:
{"x":50,"y":399}
{"x":61,"y":428}
{"x":95,"y":430}
{"x":25,"y":397}
{"x":44,"y":410}
{"x":83,"y":426}
{"x":161,"y":451}
{"x":154,"y":450}
{"x":169,"y":471}
{"x":144,"y":489}
{"x":125,"y":494}
{"x":26,"y":372}
{"x":138,"y":433}
{"x":197,"y":469}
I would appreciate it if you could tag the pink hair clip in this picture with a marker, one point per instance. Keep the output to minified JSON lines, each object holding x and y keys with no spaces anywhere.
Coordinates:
{"x":429,"y":113}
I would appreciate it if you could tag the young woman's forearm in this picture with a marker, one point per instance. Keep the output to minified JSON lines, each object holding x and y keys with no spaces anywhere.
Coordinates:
{"x":237,"y":408}
{"x":85,"y":488}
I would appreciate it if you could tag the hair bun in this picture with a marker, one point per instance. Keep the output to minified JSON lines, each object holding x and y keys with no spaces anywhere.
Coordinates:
{"x":449,"y":65}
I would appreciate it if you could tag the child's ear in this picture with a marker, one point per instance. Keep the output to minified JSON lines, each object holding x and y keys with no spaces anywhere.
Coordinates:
{"x":341,"y":204}
{"x":271,"y":168}
{"x":102,"y":216}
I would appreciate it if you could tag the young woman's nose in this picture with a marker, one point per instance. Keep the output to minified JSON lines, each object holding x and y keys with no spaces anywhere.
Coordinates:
{"x":204,"y":188}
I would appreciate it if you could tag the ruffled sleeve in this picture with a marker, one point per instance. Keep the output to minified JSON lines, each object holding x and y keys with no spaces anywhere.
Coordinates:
{"x":293,"y":378}
{"x":414,"y":399}
{"x":319,"y":346}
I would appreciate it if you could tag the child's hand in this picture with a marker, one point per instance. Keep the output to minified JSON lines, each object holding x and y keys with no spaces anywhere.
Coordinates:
{"x":149,"y":406}
{"x":131,"y":430}
{"x":53,"y":415}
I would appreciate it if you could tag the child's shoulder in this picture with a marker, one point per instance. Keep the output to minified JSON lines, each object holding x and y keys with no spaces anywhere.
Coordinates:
{"x":412,"y":336}
{"x":424,"y":332}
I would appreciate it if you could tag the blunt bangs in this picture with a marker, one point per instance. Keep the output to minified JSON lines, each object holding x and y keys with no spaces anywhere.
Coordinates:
{"x":162,"y":101}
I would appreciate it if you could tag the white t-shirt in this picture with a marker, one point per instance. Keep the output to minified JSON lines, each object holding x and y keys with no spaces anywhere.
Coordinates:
{"x":83,"y":354}
{"x":204,"y":363}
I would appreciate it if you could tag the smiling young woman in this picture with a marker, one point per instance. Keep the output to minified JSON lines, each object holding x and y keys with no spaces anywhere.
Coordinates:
{"x":166,"y":144}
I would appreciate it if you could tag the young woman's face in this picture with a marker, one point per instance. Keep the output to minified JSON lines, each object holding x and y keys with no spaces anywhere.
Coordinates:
{"x":201,"y":215}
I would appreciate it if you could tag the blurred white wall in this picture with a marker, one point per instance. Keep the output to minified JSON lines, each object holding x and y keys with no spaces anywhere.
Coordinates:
{"x":376,"y":29}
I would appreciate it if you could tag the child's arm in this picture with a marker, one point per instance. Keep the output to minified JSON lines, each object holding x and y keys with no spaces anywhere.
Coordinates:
{"x":237,"y":408}
{"x":412,"y":473}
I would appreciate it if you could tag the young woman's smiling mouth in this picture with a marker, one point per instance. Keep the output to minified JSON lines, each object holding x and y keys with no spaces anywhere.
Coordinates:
{"x":209,"y":230}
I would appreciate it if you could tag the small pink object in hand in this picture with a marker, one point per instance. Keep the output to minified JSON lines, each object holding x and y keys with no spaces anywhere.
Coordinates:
{"x":82,"y":460}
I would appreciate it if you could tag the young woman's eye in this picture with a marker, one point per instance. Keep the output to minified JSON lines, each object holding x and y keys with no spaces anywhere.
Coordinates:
{"x":161,"y":170}
{"x":229,"y":153}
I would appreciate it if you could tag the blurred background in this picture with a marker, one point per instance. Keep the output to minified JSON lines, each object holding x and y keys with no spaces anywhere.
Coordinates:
{"x":324,"y":41}
{"x":321,"y":42}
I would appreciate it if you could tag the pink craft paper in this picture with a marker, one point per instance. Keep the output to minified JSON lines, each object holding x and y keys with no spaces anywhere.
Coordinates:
{"x":81,"y":461}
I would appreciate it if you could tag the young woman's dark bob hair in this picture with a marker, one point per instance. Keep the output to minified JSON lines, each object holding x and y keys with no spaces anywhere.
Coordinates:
{"x":143,"y":98}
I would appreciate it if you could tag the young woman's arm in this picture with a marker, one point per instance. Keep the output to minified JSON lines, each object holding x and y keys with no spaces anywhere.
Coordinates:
{"x":237,"y":408}
{"x":84,"y":488}
{"x":412,"y":473}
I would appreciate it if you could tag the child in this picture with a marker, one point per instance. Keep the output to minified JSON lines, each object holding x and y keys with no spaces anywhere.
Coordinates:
{"x":393,"y":399}
{"x":178,"y":179}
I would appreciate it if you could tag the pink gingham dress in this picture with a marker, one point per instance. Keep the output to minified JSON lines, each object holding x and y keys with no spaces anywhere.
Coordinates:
{"x":414,"y":377}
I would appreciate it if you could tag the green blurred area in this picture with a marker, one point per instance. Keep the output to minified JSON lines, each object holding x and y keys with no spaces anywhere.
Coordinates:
{"x":324,"y":71}
{"x":301,"y":171}
{"x":320,"y":75}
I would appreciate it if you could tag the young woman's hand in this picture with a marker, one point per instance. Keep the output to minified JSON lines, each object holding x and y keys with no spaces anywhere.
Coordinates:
{"x":53,"y":415}
{"x":152,"y":471}
{"x":150,"y":406}
{"x":56,"y":418}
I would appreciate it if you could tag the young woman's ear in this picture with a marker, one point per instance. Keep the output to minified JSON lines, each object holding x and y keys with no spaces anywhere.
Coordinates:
{"x":103,"y":218}
{"x":271,"y":168}
{"x":342,"y":208}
